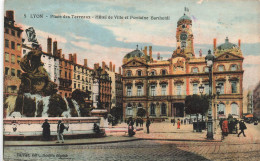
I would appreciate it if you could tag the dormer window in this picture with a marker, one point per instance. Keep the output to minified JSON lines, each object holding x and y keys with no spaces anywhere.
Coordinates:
{"x":233,"y":67}
{"x":221,"y":68}
{"x":195,"y":70}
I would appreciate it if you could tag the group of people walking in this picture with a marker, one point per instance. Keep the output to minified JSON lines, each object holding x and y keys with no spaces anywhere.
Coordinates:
{"x":224,"y":125}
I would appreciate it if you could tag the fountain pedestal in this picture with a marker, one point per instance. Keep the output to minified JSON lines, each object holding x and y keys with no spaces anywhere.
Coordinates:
{"x":102,"y":113}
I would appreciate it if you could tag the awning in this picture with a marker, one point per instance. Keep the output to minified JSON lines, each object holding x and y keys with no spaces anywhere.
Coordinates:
{"x":249,"y":115}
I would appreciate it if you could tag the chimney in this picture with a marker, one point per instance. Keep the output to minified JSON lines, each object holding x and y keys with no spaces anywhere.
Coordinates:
{"x":145,"y":51}
{"x":239,"y":43}
{"x":158,"y":56}
{"x":70,"y":57}
{"x":63,"y":56}
{"x":120,"y":70}
{"x":74,"y":58}
{"x":150,"y":52}
{"x":95,"y":66}
{"x":59,"y":53}
{"x":85,"y":62}
{"x":110,"y":66}
{"x":55,"y":47}
{"x":114,"y":66}
{"x":215,"y":43}
{"x":10,"y":15}
{"x":103,"y":66}
{"x":49,"y":45}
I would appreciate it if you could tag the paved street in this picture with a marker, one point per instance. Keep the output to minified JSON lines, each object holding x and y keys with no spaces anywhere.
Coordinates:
{"x":231,"y":148}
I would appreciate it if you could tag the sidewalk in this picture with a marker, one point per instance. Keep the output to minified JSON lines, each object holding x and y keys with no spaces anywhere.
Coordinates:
{"x":158,"y":131}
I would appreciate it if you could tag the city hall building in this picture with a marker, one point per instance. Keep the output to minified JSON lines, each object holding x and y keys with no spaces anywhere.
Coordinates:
{"x":160,"y":86}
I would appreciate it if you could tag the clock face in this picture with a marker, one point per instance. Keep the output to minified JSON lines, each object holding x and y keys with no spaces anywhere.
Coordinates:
{"x":183,"y":36}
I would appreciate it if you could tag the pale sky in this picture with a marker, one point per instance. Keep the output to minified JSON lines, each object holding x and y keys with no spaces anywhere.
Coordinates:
{"x":111,"y":39}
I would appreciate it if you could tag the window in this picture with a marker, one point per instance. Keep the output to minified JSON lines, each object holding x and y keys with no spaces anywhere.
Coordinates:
{"x":65,"y":94}
{"x":139,"y":73}
{"x":221,"y":109}
{"x":74,"y":76}
{"x":195,"y":70}
{"x":18,"y":47}
{"x":13,"y":58}
{"x":6,"y":43}
{"x":24,"y":52}
{"x":18,"y":34}
{"x":221,"y":84}
{"x":234,"y":87}
{"x":7,"y":30}
{"x":129,"y":111}
{"x":78,"y":77}
{"x":66,"y":63}
{"x":195,"y":88}
{"x":78,"y":85}
{"x":163,"y":72}
{"x":12,"y":72}
{"x":65,"y":74}
{"x":234,"y":109}
{"x":221,"y":68}
{"x":129,"y":90}
{"x":83,"y":88}
{"x":18,"y":73}
{"x":6,"y":71}
{"x":18,"y":59}
{"x":206,"y":88}
{"x":60,"y":72}
{"x":12,"y":45}
{"x":7,"y":57}
{"x":153,"y":73}
{"x":69,"y":76}
{"x":13,"y":32}
{"x":164,"y":89}
{"x":139,"y":90}
{"x":152,"y":109}
{"x":129,"y":73}
{"x":206,"y":69}
{"x":233,"y":67}
{"x":163,"y":109}
{"x":153,"y":91}
{"x":178,"y":89}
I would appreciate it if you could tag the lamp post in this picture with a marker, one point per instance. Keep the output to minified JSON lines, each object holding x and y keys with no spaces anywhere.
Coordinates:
{"x":218,"y":88}
{"x":209,"y":61}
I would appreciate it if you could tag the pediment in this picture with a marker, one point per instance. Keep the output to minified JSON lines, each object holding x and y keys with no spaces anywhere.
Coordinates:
{"x":229,"y":56}
{"x":134,"y":63}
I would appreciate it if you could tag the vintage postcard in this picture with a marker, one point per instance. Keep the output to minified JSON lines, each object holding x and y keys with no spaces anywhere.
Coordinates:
{"x":131,"y":80}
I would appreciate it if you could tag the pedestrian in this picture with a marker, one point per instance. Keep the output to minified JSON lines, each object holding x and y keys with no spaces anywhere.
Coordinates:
{"x":178,"y":124}
{"x":148,"y":122}
{"x":242,"y":127}
{"x":173,"y":121}
{"x":181,"y":121}
{"x":224,"y":128}
{"x":46,"y":131}
{"x":131,"y":127}
{"x":60,"y":130}
{"x":137,"y":121}
{"x":141,"y":122}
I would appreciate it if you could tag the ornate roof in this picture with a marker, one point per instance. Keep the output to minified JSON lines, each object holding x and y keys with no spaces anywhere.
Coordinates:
{"x":135,"y":53}
{"x":227,"y":45}
{"x":184,"y":17}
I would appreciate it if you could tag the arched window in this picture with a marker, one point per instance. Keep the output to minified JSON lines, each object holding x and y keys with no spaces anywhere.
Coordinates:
{"x":152,"y":109}
{"x":206,"y":69}
{"x":234,"y":109}
{"x":233,"y":67}
{"x":163,"y":109}
{"x":129,"y":110}
{"x":221,"y":109}
{"x":78,"y":77}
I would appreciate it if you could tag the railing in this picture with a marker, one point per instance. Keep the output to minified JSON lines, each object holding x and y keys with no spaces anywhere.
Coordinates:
{"x":159,"y":97}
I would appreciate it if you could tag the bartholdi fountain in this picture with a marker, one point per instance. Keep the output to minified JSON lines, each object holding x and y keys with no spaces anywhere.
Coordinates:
{"x":38,"y":100}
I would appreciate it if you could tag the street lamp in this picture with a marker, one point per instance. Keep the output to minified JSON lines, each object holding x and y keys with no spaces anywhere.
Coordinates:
{"x":209,"y":61}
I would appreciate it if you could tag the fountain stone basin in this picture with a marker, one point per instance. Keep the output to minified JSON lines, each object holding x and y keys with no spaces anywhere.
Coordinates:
{"x":33,"y":126}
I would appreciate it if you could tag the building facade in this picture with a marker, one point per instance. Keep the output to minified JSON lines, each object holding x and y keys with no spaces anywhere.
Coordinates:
{"x":256,"y":101}
{"x":161,"y":86}
{"x":12,"y":54}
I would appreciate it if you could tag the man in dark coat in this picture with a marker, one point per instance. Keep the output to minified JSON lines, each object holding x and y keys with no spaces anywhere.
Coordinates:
{"x":148,"y":122}
{"x":46,"y":131}
{"x":60,"y":130}
{"x":131,"y":127}
{"x":242,"y":127}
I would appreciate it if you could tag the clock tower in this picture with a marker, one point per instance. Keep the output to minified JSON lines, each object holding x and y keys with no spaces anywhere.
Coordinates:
{"x":184,"y":35}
